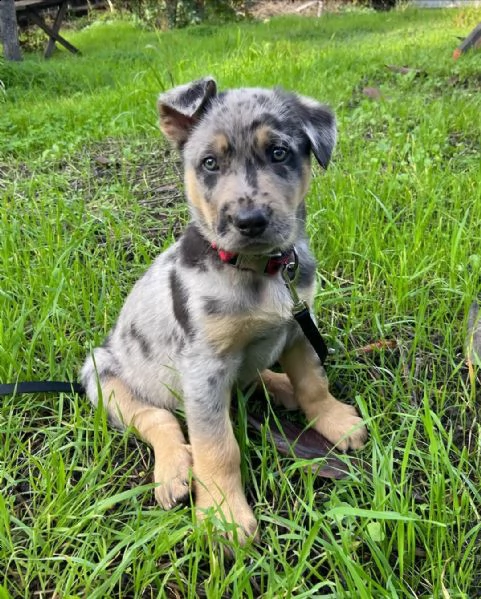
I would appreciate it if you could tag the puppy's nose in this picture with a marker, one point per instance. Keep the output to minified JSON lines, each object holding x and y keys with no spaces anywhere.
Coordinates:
{"x":251,"y":222}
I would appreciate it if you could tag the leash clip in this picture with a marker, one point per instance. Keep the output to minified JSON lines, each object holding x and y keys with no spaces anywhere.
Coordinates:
{"x":290,"y":273}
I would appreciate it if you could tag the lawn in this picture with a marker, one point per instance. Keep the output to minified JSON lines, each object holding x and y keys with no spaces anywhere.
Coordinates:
{"x":90,"y":193}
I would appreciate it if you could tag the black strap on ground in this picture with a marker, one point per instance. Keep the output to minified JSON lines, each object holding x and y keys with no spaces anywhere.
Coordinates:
{"x":312,"y":333}
{"x":41,"y":387}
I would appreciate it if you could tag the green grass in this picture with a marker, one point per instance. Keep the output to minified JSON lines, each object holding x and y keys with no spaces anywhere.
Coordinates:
{"x":89,"y":196}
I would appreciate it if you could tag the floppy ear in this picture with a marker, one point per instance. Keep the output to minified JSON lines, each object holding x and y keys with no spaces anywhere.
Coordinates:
{"x":181,"y":107}
{"x":319,"y":125}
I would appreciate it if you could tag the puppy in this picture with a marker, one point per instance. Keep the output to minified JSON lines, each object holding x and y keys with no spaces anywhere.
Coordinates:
{"x":213,"y":310}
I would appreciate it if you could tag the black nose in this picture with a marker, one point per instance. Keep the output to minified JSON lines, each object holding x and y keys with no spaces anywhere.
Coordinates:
{"x":251,"y":222}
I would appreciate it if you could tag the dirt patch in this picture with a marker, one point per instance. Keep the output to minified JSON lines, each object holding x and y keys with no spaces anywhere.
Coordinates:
{"x":146,"y":170}
{"x":265,"y":10}
{"x":303,"y":8}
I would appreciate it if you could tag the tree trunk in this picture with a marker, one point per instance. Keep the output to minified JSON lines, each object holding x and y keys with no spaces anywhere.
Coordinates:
{"x":171,"y":10}
{"x":9,"y":31}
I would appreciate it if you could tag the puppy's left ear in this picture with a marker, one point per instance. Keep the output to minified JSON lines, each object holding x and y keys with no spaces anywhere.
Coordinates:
{"x":319,"y":125}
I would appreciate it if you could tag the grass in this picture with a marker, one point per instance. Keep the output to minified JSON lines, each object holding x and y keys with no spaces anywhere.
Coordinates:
{"x":89,"y":194}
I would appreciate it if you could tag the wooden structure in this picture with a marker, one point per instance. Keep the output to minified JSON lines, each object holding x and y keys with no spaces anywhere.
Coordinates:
{"x":472,"y":41}
{"x":33,"y":8}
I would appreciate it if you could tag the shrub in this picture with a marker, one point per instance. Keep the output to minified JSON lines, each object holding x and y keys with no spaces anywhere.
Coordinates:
{"x":169,"y":14}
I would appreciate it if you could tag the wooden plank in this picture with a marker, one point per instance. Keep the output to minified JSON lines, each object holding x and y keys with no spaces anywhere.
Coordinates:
{"x":62,"y":9}
{"x":85,"y":8}
{"x":472,"y":41}
{"x":25,"y":5}
{"x":37,"y":19}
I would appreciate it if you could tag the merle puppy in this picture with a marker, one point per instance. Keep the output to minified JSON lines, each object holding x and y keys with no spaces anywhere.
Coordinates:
{"x":213,"y":310}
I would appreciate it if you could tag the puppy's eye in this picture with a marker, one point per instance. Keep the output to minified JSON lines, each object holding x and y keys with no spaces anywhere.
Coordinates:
{"x":210,"y":164}
{"x":279,"y":154}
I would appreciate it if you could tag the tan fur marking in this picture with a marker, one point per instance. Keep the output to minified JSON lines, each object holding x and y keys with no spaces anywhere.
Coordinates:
{"x":338,"y":422}
{"x":207,"y":210}
{"x":280,"y":387}
{"x":305,"y":180}
{"x":301,"y":191}
{"x":162,"y":431}
{"x":218,"y":481}
{"x":233,"y":332}
{"x":220,"y":143}
{"x":263,"y":136}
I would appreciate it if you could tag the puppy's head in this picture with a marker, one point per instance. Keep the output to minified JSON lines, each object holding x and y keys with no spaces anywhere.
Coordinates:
{"x":246,"y":156}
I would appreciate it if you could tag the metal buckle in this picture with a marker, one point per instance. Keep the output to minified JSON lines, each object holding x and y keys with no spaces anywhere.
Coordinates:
{"x":289,"y":274}
{"x":292,"y":268}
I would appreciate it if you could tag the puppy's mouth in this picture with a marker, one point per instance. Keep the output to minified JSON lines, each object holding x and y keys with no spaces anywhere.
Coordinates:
{"x":263,"y":245}
{"x":257,"y":248}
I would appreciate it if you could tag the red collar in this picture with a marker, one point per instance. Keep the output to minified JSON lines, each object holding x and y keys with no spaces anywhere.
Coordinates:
{"x":269,"y":265}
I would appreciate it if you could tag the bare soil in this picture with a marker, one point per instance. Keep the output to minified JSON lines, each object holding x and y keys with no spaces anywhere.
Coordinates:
{"x":307,"y":8}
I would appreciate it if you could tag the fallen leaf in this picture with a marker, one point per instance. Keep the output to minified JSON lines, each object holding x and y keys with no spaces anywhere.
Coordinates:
{"x":377,"y":345}
{"x":372,"y":92}
{"x":103,"y":160}
{"x":405,"y":70}
{"x":295,"y":440}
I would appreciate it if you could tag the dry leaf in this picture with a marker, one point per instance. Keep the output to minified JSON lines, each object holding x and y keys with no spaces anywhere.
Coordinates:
{"x":396,"y":69}
{"x":103,"y":160}
{"x":295,"y":440}
{"x":405,"y":70}
{"x":377,"y":345}
{"x":372,"y":92}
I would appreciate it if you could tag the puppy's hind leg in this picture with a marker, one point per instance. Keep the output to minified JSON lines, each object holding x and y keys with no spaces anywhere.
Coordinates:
{"x":161,"y":429}
{"x":280,"y":387}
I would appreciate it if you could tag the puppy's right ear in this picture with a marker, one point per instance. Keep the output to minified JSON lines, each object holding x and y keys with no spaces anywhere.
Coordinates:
{"x":180,"y":108}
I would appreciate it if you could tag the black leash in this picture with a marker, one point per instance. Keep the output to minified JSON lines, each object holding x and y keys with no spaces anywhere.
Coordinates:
{"x":310,"y":330}
{"x":40,"y":387}
{"x":301,"y":312}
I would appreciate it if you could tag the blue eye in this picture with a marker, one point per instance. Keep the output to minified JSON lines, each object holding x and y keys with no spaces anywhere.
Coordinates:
{"x":210,"y":164}
{"x":279,"y":154}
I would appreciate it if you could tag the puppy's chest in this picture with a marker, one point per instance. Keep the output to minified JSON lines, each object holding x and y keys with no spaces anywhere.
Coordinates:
{"x":233,"y":321}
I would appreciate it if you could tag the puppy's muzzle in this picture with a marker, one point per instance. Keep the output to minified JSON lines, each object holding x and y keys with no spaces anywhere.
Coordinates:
{"x":251,"y":222}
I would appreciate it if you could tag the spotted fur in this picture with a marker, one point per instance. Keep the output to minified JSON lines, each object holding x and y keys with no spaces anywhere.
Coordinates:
{"x":194,"y":325}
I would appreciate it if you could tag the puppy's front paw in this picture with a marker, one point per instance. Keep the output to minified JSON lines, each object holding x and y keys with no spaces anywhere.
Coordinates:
{"x":341,"y":425}
{"x":171,"y":472}
{"x":232,"y":510}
